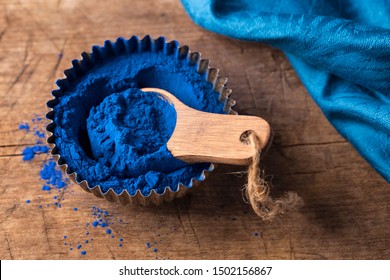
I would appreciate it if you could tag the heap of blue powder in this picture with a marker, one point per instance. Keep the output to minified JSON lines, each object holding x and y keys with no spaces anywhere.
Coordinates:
{"x":114,"y":135}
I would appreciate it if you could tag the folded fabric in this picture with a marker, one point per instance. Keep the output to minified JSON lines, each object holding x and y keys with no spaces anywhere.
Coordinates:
{"x":340,"y":50}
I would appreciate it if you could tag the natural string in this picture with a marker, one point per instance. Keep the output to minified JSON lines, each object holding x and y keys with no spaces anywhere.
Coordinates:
{"x":257,"y":189}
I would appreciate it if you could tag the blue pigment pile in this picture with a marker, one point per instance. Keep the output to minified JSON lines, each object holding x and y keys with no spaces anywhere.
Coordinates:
{"x":114,"y":135}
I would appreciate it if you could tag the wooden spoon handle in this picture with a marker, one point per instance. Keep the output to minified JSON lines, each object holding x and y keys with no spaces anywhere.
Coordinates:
{"x":208,"y":137}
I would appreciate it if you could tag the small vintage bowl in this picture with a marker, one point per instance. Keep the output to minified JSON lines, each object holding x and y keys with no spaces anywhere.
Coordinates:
{"x":105,"y":54}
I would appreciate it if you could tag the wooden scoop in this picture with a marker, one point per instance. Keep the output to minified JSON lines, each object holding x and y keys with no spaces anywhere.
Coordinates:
{"x":208,"y":137}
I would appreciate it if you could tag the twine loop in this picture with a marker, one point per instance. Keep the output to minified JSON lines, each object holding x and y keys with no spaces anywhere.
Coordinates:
{"x":257,"y":190}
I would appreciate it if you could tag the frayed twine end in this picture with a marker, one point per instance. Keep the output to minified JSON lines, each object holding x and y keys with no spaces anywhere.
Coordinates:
{"x":257,"y":190}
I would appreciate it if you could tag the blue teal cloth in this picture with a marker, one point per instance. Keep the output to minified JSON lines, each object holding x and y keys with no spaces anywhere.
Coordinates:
{"x":340,"y":50}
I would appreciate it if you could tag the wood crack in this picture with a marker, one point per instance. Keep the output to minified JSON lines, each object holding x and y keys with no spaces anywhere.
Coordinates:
{"x":179,"y":217}
{"x":193,"y":229}
{"x":9,"y":249}
{"x":311,"y":144}
{"x":16,"y":145}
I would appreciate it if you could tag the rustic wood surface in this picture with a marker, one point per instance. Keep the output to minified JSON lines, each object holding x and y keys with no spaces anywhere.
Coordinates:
{"x":347,"y":204}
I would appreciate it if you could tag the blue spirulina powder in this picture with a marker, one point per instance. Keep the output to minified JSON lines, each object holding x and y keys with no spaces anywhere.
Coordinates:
{"x":114,"y":135}
{"x":54,"y":181}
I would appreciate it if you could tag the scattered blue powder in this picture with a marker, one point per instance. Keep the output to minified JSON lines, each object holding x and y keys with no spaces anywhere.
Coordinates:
{"x":114,"y":135}
{"x":24,"y":126}
{"x":155,"y":250}
{"x":75,"y":209}
{"x":148,"y":245}
{"x":39,"y":134}
{"x":46,"y":188}
{"x":28,"y":201}
{"x":52,"y":175}
{"x":120,"y":239}
{"x":108,"y":231}
{"x":65,"y":236}
{"x":120,"y":244}
{"x":83,"y":253}
{"x":79,"y":246}
{"x":30,"y":152}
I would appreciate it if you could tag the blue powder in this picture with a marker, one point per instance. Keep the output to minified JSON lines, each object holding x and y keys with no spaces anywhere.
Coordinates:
{"x":52,"y":175}
{"x":83,"y":253}
{"x":28,"y":201}
{"x":108,"y":231}
{"x":29,"y":152}
{"x":46,"y":188}
{"x":24,"y":126}
{"x":113,"y":135}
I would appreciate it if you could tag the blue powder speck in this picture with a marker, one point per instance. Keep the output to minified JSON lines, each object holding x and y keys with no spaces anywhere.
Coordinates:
{"x":95,"y":223}
{"x":46,"y":188}
{"x":71,"y":249}
{"x":108,"y":231}
{"x":52,"y":175}
{"x":30,"y":152}
{"x":39,"y":134}
{"x":28,"y":201}
{"x":148,"y":245}
{"x":120,"y":245}
{"x":86,"y":241}
{"x":75,"y":209}
{"x":65,"y":236}
{"x":79,"y":246}
{"x":120,"y":239}
{"x":24,"y":126}
{"x":83,"y":253}
{"x":155,"y":250}
{"x":114,"y":135}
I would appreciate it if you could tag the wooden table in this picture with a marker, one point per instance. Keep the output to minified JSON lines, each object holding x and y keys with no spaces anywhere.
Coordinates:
{"x":347,"y":204}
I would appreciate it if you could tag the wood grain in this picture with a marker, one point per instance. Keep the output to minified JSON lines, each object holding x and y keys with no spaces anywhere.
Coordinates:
{"x":346,"y":213}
